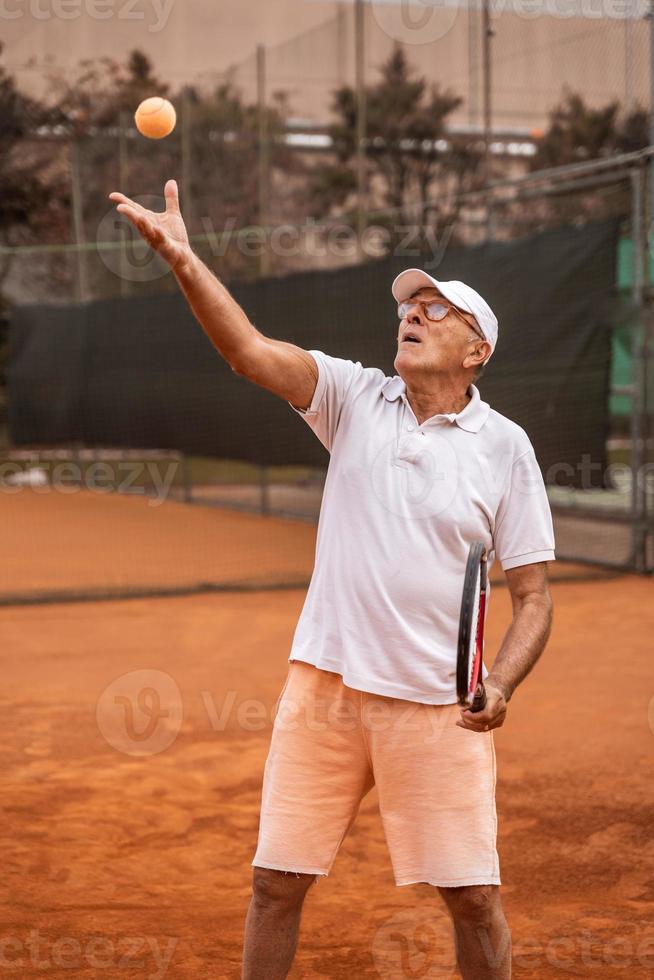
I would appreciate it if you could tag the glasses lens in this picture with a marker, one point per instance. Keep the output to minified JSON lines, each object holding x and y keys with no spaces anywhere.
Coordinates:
{"x":436,"y":311}
{"x":433,"y":311}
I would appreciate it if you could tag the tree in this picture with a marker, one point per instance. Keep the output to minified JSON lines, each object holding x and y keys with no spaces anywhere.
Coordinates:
{"x":578,"y":132}
{"x":220,"y":157}
{"x":26,"y":189}
{"x":408,"y":148}
{"x":103,"y":151}
{"x":102,"y":89}
{"x":633,"y":131}
{"x":225,"y":171}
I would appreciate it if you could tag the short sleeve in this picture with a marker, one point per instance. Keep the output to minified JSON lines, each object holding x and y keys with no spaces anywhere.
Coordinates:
{"x":335,"y":378}
{"x":523,"y":528}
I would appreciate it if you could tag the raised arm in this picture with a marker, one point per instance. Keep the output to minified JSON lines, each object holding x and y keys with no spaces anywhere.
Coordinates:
{"x":283,"y":368}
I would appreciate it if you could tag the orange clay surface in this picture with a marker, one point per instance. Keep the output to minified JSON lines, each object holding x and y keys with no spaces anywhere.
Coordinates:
{"x":135,"y":734}
{"x":125,"y":865}
{"x":61,"y":544}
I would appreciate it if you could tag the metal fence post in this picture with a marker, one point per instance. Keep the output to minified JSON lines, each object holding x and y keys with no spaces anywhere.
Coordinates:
{"x":648,"y":337}
{"x":361,"y":121}
{"x":123,"y":183}
{"x":187,"y":158}
{"x":638,"y":407}
{"x":264,"y":160}
{"x":487,"y":37}
{"x":82,"y":286}
{"x":264,"y":488}
{"x":187,"y":479}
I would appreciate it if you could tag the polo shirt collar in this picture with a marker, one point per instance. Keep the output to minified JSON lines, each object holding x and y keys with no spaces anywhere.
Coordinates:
{"x":471,"y":418}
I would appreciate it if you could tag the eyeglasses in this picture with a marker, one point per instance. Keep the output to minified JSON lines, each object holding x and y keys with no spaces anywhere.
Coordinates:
{"x":435,"y":310}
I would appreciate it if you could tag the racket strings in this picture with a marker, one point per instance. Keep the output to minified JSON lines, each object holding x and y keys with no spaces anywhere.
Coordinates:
{"x":478,"y":648}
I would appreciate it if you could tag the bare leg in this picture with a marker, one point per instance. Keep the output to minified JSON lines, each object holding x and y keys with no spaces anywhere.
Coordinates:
{"x":273,"y":923}
{"x":483,"y":940}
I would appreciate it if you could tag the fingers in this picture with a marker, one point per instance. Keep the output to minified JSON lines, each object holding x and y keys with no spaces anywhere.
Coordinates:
{"x":480,"y":700}
{"x":142,"y":223}
{"x":122,"y":199}
{"x":136,"y":216}
{"x":171,"y":193}
{"x":471,"y":727}
{"x":487,"y":716}
{"x":481,"y":721}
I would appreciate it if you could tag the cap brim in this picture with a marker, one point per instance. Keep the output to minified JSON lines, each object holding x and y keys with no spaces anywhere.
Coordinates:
{"x":410,"y":281}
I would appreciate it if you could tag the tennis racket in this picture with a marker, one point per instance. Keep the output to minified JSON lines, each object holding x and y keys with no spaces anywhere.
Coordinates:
{"x":469,"y":666}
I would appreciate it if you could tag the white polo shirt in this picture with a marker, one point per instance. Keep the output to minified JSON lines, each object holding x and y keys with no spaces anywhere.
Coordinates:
{"x":401,"y":506}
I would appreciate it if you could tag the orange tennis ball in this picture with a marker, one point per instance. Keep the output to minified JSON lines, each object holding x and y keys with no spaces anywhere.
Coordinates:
{"x":155,"y":118}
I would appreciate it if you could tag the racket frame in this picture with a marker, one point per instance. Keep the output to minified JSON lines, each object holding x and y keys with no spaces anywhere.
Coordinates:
{"x":473,"y":600}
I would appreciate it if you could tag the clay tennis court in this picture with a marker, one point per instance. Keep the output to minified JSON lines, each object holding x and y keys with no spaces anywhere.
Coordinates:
{"x":135,"y":734}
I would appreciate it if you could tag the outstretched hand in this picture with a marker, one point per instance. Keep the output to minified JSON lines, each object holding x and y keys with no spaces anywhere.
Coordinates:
{"x":165,"y":231}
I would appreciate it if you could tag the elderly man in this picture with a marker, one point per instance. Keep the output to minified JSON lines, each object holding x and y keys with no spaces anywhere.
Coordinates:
{"x":420,"y":467}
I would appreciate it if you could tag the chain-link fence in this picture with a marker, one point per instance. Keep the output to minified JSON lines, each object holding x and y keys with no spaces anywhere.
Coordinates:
{"x":537,"y":51}
{"x":603,"y":506}
{"x":255,"y":138}
{"x":608,"y":518}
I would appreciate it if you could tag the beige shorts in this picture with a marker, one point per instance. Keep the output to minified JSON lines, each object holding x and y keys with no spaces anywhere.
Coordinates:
{"x":435,"y":781}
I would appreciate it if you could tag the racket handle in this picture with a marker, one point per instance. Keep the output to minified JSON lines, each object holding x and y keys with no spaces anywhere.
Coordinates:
{"x":479,"y":700}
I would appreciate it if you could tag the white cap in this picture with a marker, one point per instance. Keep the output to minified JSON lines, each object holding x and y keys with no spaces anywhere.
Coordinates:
{"x":459,"y":294}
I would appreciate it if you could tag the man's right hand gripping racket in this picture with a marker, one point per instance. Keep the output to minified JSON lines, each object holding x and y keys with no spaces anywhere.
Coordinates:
{"x":469,"y":667}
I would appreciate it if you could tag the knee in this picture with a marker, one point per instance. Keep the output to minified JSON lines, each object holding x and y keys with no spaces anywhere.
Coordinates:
{"x":280,"y":889}
{"x":473,"y":904}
